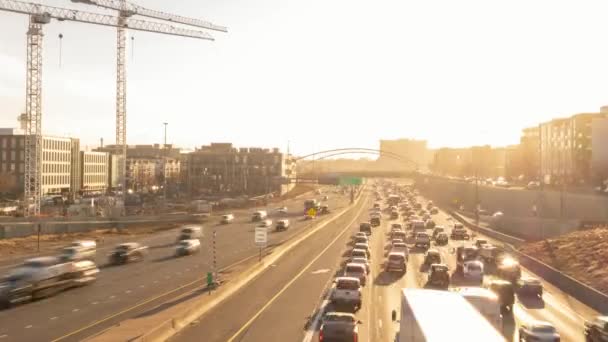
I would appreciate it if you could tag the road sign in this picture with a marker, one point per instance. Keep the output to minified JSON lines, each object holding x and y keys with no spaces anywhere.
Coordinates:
{"x":311,"y":212}
{"x":209,"y":279}
{"x":261,"y":236}
{"x":350,"y":181}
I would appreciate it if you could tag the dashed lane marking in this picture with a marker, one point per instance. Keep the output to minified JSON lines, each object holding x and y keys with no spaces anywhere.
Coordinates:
{"x":53,"y":318}
{"x":28,"y":326}
{"x":75,"y":310}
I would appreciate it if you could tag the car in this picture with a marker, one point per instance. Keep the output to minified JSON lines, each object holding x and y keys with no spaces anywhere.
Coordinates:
{"x":505,"y":292}
{"x":324,"y":209}
{"x":596,"y":330}
{"x":437,"y":230}
{"x":227,"y":218}
{"x":318,"y":191}
{"x":356,"y":271}
{"x":376,"y":205}
{"x":259,"y":215}
{"x":364,"y":246}
{"x":508,"y":268}
{"x":473,"y":269}
{"x":325,"y":198}
{"x":339,"y":326}
{"x":533,"y":185}
{"x":127,"y":252}
{"x":360,"y":234}
{"x":282,"y":225}
{"x":187,"y":247}
{"x":480,"y":242}
{"x":434,"y":211}
{"x":394,"y":215}
{"x":396,"y":226}
{"x":529,"y":286}
{"x":359,"y":253}
{"x":400,"y":247}
{"x":265,"y":223}
{"x":191,"y":231}
{"x":396,"y":261}
{"x":459,"y":232}
{"x":362,"y":261}
{"x":432,"y":256}
{"x":441,"y":239}
{"x":375,"y":221}
{"x":281,"y":210}
{"x":399,"y":234}
{"x":422,"y":239}
{"x":439,"y":276}
{"x":429,"y":224}
{"x":538,"y":331}
{"x":366,"y":228}
{"x":346,"y":291}
{"x":360,"y":239}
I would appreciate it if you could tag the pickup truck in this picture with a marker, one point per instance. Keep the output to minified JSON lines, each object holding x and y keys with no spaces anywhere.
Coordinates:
{"x":346,"y":291}
{"x":43,"y":277}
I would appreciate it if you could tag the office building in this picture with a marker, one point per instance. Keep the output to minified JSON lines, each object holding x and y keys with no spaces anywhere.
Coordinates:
{"x":95,"y":167}
{"x":222,"y":168}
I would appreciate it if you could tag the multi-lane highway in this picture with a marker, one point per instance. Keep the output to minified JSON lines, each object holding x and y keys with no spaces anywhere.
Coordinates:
{"x":121,"y":292}
{"x":288,"y":299}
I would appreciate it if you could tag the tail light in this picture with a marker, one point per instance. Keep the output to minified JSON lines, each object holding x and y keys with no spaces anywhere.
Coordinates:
{"x":321,"y":335}
{"x":355,"y":337}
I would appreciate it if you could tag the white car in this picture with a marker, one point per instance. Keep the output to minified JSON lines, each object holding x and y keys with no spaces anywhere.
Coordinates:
{"x":187,"y":247}
{"x":227,"y":218}
{"x":361,"y":261}
{"x":473,"y":269}
{"x":364,"y":246}
{"x":265,"y":223}
{"x":538,"y":331}
{"x":282,"y":210}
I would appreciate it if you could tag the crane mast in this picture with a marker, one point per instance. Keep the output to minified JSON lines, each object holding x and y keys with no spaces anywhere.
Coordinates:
{"x":40,"y":15}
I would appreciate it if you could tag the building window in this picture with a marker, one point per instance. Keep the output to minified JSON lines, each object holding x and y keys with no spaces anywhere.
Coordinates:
{"x":13,"y":155}
{"x":21,"y":167}
{"x":12,"y":167}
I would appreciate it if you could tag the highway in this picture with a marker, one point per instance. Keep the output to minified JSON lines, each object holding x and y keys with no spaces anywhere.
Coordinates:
{"x":121,"y":292}
{"x":289,"y":299}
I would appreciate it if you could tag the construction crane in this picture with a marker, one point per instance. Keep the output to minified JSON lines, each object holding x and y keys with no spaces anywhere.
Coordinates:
{"x":40,"y":15}
{"x":126,"y":10}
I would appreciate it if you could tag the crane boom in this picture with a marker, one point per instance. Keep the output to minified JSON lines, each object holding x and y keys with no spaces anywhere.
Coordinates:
{"x":58,"y":13}
{"x":133,"y":9}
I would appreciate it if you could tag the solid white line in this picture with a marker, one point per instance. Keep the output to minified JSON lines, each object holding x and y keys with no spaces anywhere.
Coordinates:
{"x":4,"y":336}
{"x":75,"y":310}
{"x":28,"y":326}
{"x":53,"y":318}
{"x":95,"y":303}
{"x":379,"y":324}
{"x":297,"y":276}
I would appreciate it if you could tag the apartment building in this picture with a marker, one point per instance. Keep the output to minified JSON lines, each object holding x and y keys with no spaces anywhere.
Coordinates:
{"x":566,"y":148}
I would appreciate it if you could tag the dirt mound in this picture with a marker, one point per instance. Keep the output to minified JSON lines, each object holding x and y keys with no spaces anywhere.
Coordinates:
{"x":582,"y":254}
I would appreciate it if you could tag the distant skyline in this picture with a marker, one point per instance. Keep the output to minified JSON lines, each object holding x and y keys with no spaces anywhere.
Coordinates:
{"x":322,"y":74}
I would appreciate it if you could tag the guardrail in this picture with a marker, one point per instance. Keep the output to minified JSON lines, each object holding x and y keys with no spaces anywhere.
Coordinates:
{"x":582,"y":292}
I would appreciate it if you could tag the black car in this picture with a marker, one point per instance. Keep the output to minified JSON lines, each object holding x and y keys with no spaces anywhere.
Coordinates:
{"x":365,"y":228}
{"x":439,"y":276}
{"x":441,"y":239}
{"x":375,"y":221}
{"x":505,"y":292}
{"x":529,"y":286}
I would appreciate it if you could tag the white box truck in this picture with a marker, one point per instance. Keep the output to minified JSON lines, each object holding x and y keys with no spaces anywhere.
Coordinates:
{"x":439,"y":316}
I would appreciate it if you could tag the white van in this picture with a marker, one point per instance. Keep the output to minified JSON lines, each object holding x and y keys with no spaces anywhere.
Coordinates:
{"x":191,"y":231}
{"x":473,"y":269}
{"x":79,"y":250}
{"x":259,"y":215}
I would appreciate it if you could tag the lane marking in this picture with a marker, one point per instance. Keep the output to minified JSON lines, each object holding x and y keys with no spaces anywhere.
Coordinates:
{"x":53,"y":318}
{"x":284,"y":288}
{"x":321,"y":271}
{"x":4,"y":336}
{"x":75,"y":310}
{"x":128,"y":291}
{"x":95,"y":303}
{"x":379,"y":324}
{"x":112,"y":297}
{"x":28,"y":326}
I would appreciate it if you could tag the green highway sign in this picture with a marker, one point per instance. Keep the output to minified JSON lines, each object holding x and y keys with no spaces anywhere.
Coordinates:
{"x":350,"y":181}
{"x":209,"y":279}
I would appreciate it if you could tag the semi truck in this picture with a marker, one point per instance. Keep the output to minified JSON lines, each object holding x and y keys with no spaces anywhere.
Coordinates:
{"x":439,"y":316}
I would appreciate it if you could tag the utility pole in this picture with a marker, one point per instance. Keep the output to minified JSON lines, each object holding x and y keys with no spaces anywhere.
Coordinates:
{"x":476,"y":193}
{"x":165,"y":123}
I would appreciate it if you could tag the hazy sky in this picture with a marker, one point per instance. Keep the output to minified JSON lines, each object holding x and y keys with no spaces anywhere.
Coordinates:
{"x":323,"y":74}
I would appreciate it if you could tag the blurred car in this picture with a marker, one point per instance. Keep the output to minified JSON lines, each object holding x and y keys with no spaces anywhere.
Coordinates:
{"x":538,"y":331}
{"x":439,"y":276}
{"x":436,"y":231}
{"x":396,"y":261}
{"x":432,"y":256}
{"x":282,"y":225}
{"x":533,"y":185}
{"x":434,"y":211}
{"x":361,"y":261}
{"x":441,"y":239}
{"x":366,"y":228}
{"x":396,"y":226}
{"x":505,"y":292}
{"x":480,"y":242}
{"x":282,"y":210}
{"x":187,"y":247}
{"x":429,"y":224}
{"x":356,"y":271}
{"x":596,"y":330}
{"x":127,"y":252}
{"x":339,"y":326}
{"x":359,"y":253}
{"x":265,"y":223}
{"x":227,"y":218}
{"x":529,"y":286}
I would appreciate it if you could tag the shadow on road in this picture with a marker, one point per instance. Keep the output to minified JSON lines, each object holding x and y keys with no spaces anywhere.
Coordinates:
{"x":162,"y":246}
{"x":385,"y":278}
{"x":165,"y":258}
{"x":457,"y":279}
{"x":508,"y":326}
{"x":531,"y":302}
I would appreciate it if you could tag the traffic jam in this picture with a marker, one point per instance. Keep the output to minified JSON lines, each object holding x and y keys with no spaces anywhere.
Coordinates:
{"x":454,"y":259}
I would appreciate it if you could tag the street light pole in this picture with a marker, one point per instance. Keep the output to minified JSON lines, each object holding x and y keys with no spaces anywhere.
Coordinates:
{"x":165,"y":124}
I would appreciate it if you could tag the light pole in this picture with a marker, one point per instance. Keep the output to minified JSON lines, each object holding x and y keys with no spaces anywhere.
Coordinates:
{"x":165,"y":124}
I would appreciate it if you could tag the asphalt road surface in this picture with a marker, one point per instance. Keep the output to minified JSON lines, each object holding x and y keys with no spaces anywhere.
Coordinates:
{"x":286,"y":301}
{"x":125,"y":291}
